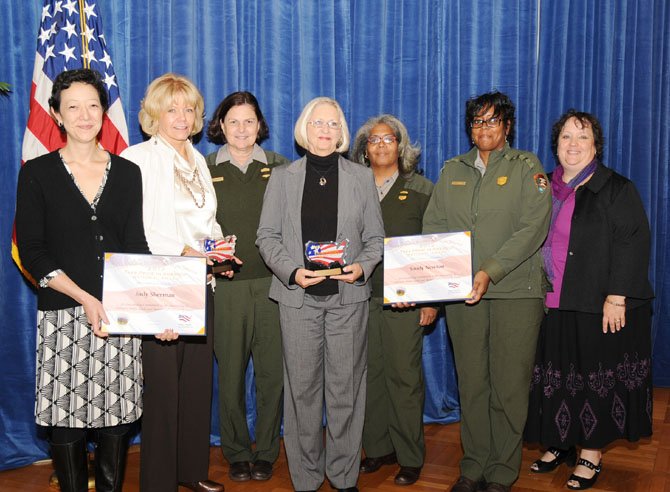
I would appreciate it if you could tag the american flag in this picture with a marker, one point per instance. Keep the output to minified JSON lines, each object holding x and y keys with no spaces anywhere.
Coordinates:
{"x":220,"y":249}
{"x":70,"y":37}
{"x":326,"y":254}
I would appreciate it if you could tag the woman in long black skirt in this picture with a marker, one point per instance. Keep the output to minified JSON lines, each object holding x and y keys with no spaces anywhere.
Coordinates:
{"x":592,"y":382}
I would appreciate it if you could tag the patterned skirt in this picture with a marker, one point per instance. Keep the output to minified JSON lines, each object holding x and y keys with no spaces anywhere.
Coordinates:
{"x":83,"y":380}
{"x":590,"y":388}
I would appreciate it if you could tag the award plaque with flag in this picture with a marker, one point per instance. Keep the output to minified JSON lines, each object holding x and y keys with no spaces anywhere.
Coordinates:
{"x":147,"y":294}
{"x":326,"y":259}
{"x":427,"y":268}
{"x":221,"y":252}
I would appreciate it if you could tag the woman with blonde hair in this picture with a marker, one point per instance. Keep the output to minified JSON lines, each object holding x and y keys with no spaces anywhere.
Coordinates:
{"x":322,"y":197}
{"x":179,"y":211}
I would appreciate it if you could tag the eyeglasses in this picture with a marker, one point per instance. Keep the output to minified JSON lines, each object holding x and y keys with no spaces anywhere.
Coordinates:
{"x":492,"y":122}
{"x":376,"y":139}
{"x":332,"y":124}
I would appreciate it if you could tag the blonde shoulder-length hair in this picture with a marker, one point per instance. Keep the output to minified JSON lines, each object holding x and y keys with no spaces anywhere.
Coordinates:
{"x":300,"y":130}
{"x":161,"y":94}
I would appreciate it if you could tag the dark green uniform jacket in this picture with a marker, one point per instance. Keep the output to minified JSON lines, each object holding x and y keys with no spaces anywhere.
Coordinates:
{"x":508,"y":210}
{"x":240,"y":199}
{"x":402,"y":212}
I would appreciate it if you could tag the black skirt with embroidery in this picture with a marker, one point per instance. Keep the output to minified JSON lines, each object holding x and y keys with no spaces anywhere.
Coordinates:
{"x":590,"y":388}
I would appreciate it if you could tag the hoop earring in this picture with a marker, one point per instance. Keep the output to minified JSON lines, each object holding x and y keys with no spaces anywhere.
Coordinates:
{"x":60,"y":125}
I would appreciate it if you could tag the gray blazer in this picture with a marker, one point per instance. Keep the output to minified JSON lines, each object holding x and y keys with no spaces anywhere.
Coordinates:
{"x":280,"y":229}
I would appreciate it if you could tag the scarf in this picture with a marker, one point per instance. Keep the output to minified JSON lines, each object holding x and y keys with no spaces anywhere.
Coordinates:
{"x":560,"y":192}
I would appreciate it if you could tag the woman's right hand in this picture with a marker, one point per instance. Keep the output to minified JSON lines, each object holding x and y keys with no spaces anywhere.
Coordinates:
{"x":95,"y":314}
{"x":305,"y":278}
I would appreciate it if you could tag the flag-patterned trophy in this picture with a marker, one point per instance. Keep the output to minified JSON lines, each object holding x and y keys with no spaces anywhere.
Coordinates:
{"x":328,"y":258}
{"x":221,"y":252}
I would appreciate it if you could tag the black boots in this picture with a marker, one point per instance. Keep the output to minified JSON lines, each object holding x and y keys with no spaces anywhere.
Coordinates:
{"x":69,"y":461}
{"x":110,"y":461}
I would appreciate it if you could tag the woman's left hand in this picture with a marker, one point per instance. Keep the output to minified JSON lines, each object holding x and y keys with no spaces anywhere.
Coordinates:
{"x":480,"y":284}
{"x":231,"y":273}
{"x":427,"y":316}
{"x":351,"y":273}
{"x":168,"y":335}
{"x":614,"y":313}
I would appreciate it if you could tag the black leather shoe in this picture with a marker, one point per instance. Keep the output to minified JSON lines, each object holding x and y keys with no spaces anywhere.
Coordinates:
{"x":261,"y":470}
{"x":371,"y":465}
{"x":239,"y":471}
{"x":203,"y":486}
{"x":464,"y":484}
{"x":568,"y":456}
{"x":497,"y":487}
{"x":407,"y":475}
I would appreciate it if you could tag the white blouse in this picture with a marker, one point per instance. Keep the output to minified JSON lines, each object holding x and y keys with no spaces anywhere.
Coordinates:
{"x":172,"y":219}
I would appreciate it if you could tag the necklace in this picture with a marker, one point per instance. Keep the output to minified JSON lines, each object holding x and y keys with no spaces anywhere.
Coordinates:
{"x":322,"y":180}
{"x":190,"y":185}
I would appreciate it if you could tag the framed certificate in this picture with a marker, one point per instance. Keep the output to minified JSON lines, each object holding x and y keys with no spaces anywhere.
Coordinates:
{"x":427,"y":268}
{"x":147,"y":294}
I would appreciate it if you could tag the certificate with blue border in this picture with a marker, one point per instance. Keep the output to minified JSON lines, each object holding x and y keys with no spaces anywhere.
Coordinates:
{"x":148,"y":294}
{"x":427,"y":268}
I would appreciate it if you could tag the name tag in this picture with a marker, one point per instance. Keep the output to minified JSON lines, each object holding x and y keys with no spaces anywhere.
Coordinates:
{"x":458,"y":183}
{"x":218,"y":179}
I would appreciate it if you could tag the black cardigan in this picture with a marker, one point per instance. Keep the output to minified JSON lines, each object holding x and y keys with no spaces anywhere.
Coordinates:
{"x":56,"y":227}
{"x":608,"y":252}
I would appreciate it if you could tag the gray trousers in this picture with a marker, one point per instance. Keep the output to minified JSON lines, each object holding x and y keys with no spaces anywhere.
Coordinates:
{"x":325,"y":348}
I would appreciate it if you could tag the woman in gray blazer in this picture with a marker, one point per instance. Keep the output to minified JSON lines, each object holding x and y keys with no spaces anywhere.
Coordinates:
{"x":322,"y":197}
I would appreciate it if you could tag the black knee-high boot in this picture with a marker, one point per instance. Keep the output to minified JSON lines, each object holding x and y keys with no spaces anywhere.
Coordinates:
{"x":110,"y":460}
{"x":69,"y":460}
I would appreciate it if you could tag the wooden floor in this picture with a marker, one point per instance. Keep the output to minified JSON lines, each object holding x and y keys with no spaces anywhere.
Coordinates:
{"x":644,"y":466}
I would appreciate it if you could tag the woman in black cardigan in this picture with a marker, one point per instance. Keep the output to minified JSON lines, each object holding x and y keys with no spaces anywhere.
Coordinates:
{"x":73,"y":205}
{"x":592,"y":377}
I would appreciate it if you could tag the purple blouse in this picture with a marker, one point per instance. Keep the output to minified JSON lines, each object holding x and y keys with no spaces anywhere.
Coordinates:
{"x":559,"y":249}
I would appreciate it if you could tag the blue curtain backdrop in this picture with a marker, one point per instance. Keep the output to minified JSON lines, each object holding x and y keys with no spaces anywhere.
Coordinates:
{"x":418,"y":59}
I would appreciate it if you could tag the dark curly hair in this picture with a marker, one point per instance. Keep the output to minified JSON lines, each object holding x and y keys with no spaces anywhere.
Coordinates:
{"x":584,"y":119}
{"x":214,"y":131}
{"x":502,"y":105}
{"x":64,"y":81}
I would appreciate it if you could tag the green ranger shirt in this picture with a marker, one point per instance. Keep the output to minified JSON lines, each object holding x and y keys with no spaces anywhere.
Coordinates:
{"x":508,"y":210}
{"x":402,"y":211}
{"x":240,"y":200}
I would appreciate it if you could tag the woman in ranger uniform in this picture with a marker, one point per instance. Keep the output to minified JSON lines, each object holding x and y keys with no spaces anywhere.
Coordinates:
{"x":501,"y":195}
{"x":393,"y":429}
{"x":247,"y":321}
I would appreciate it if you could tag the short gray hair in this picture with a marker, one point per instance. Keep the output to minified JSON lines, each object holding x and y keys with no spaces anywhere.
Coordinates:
{"x":408,"y":153}
{"x":300,"y":130}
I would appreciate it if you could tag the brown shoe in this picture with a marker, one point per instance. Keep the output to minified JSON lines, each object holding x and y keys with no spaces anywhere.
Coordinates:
{"x":497,"y":487}
{"x":464,"y":484}
{"x":371,"y":465}
{"x":261,"y":470}
{"x":239,"y":471}
{"x":203,"y":486}
{"x":407,"y":475}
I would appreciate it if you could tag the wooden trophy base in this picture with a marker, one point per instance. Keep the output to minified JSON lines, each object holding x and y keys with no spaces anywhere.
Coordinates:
{"x":327,"y":273}
{"x":226,"y":266}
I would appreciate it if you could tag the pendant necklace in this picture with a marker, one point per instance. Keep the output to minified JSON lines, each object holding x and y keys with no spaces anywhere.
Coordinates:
{"x":322,"y":180}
